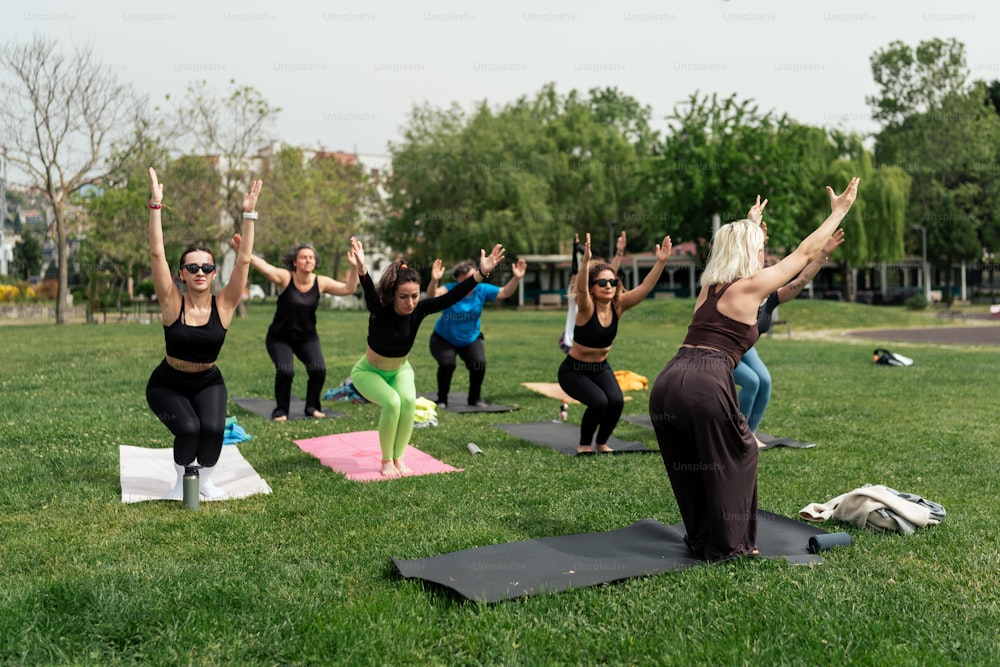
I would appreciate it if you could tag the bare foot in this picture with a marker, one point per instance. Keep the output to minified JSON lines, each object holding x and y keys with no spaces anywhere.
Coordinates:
{"x":402,"y":467}
{"x":760,"y":445}
{"x":604,"y":449}
{"x":389,"y":470}
{"x":282,"y":418}
{"x":584,"y":449}
{"x":318,"y":415}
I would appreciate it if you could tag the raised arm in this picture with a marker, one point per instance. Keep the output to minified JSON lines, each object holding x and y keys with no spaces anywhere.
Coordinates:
{"x":771,"y":278}
{"x":350,"y":284}
{"x":616,"y":261}
{"x":585,"y":307}
{"x":642,"y":290}
{"x":794,"y":288}
{"x":232,"y":293}
{"x":277,"y":275}
{"x":437,"y":272}
{"x":517,"y":273}
{"x":167,"y":294}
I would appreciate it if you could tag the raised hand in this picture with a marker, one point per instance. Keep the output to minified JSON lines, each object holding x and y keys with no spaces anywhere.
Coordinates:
{"x":237,"y":239}
{"x":756,"y":213}
{"x":663,"y":249}
{"x":437,"y":270}
{"x":620,"y":245}
{"x":835,"y":240}
{"x":356,"y":255}
{"x":155,"y":188}
{"x":250,"y":198}
{"x":842,"y":203}
{"x":489,"y":262}
{"x":519,"y":268}
{"x":586,"y":248}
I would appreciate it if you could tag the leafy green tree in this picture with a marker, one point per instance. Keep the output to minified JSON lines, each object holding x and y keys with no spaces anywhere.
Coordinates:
{"x":317,"y":200}
{"x":720,"y":154}
{"x":530,"y":173}
{"x":945,"y":133}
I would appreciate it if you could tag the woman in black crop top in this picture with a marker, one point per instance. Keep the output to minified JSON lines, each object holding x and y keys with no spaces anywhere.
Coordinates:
{"x":585,"y":374}
{"x":383,"y":375}
{"x":293,"y":331}
{"x":186,"y":391}
{"x":708,"y":450}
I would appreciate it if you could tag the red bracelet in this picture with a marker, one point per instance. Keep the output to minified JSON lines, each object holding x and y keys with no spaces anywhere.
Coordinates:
{"x":155,"y":207}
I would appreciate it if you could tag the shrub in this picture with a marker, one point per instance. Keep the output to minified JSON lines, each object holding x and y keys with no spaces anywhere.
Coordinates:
{"x":916,"y":302}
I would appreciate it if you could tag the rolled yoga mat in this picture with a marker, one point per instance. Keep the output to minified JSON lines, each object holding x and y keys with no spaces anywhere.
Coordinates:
{"x":828,"y":541}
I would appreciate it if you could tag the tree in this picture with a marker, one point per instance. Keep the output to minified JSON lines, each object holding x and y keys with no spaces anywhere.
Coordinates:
{"x":945,"y":134}
{"x":232,"y":128}
{"x":59,"y":116}
{"x":720,"y":154}
{"x":314,"y":199}
{"x":915,"y":80}
{"x":532,"y":172}
{"x":27,"y":256}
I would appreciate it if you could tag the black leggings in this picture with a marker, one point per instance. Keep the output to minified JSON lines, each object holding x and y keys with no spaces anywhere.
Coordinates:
{"x":311,"y":354}
{"x":594,"y":385}
{"x":193,"y":407}
{"x":474,"y":356}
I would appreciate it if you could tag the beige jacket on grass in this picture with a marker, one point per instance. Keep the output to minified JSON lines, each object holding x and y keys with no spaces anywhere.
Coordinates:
{"x":865,"y":508}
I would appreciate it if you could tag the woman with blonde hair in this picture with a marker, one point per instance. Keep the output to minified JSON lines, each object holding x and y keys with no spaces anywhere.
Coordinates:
{"x":708,"y":450}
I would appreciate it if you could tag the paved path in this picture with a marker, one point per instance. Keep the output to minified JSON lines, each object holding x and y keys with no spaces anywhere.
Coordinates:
{"x":967,"y":335}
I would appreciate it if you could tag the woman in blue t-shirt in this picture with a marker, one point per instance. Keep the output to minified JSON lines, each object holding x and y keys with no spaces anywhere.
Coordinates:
{"x":457,"y":333}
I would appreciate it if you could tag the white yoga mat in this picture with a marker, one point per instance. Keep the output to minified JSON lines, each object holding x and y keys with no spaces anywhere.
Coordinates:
{"x":148,"y":474}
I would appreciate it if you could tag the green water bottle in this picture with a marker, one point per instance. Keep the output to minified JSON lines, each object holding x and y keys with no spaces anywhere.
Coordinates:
{"x":192,"y":493}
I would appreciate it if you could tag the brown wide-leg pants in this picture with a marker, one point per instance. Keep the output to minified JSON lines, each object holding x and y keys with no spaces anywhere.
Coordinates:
{"x":709,"y":452}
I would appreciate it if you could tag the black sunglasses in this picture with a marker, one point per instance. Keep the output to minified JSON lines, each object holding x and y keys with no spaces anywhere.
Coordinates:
{"x":193,"y":268}
{"x":604,"y":282}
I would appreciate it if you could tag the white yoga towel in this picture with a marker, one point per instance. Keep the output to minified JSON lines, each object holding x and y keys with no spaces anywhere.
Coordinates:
{"x":148,"y":474}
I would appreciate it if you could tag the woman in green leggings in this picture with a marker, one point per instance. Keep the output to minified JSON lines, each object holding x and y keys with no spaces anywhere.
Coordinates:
{"x":383,"y":375}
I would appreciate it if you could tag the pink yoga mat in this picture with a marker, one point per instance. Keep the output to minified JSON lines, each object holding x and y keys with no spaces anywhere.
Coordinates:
{"x":358,"y":456}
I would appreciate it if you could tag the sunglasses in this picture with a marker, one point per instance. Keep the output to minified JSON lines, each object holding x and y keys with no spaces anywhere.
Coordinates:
{"x":604,"y":282}
{"x":193,"y":268}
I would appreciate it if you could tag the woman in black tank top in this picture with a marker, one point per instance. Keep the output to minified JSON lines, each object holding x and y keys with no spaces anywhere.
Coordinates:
{"x":187,"y":392}
{"x":293,"y":331}
{"x":708,"y":450}
{"x":585,"y":374}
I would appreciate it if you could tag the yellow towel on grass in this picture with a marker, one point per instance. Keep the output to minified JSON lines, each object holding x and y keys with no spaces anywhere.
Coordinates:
{"x":630,"y":381}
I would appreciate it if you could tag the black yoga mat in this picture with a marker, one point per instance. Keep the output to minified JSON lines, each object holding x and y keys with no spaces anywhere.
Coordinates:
{"x":564,"y":437}
{"x":553,"y":564}
{"x":263,"y":407}
{"x":458,"y":401}
{"x":769,"y":440}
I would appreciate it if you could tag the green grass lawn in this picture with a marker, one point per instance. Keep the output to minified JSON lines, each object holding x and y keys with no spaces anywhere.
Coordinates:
{"x":304,"y":575}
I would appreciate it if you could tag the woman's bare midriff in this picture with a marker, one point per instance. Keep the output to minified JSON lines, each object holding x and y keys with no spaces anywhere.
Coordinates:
{"x":385,"y":363}
{"x":188,"y":366}
{"x":588,"y":355}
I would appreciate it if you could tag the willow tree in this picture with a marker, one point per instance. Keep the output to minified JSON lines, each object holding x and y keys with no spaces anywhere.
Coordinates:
{"x":875,"y":228}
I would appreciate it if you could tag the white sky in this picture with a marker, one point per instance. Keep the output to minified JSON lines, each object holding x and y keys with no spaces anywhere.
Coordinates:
{"x":347,"y":73}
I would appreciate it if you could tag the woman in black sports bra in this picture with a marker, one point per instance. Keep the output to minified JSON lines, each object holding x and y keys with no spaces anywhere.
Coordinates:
{"x":293,"y":331}
{"x":708,"y":450}
{"x":186,"y":391}
{"x":585,"y":374}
